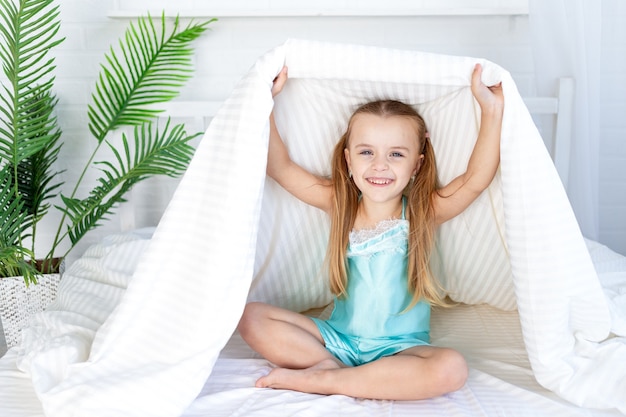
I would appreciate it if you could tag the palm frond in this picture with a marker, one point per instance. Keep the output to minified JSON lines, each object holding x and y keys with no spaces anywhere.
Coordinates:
{"x":148,"y":68}
{"x":14,"y":224}
{"x":32,"y":180}
{"x":14,"y":263}
{"x":88,"y":213}
{"x":29,"y":134}
{"x":35,"y":179}
{"x":156,"y":151}
{"x":29,"y":32}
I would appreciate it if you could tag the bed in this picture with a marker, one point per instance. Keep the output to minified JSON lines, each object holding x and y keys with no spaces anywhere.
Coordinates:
{"x":144,"y":323}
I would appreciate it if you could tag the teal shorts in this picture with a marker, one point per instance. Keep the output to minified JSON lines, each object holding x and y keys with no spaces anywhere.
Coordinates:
{"x":355,"y":351}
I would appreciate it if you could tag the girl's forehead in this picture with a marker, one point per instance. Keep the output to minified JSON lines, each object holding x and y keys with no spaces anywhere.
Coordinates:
{"x":383,"y":129}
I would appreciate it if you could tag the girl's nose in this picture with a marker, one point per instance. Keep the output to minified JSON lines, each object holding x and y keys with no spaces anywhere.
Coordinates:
{"x":380,"y":163}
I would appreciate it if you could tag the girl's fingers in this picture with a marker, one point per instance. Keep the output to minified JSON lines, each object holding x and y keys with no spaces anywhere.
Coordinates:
{"x":279,"y":81}
{"x":485,"y":95}
{"x":477,"y":73}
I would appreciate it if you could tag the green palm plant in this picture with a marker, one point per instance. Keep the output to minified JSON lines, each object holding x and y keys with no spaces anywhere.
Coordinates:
{"x":149,"y":66}
{"x":15,"y":224}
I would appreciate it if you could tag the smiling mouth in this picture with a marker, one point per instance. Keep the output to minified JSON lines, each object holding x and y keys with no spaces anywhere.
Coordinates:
{"x":379,"y":181}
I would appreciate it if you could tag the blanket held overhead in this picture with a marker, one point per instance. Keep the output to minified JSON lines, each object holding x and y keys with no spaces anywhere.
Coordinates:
{"x":229,"y":234}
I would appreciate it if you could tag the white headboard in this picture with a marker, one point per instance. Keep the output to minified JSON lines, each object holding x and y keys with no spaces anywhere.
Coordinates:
{"x":561,"y":107}
{"x":556,"y":111}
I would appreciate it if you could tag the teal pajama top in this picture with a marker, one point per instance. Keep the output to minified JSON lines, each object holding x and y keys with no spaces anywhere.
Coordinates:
{"x":370,"y":322}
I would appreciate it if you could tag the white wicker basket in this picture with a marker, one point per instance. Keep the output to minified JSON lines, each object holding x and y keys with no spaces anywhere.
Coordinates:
{"x":19,"y":303}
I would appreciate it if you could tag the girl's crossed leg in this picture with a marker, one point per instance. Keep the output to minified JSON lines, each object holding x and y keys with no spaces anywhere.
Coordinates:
{"x":285,"y":338}
{"x":293,"y":342}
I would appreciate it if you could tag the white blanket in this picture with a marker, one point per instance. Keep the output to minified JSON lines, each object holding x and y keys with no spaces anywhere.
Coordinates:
{"x":229,"y":235}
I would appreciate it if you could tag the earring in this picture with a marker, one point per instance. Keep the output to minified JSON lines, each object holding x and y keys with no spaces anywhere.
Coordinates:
{"x":350,"y":174}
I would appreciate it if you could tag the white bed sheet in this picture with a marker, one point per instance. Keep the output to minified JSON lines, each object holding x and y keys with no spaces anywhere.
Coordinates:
{"x":501,"y":381}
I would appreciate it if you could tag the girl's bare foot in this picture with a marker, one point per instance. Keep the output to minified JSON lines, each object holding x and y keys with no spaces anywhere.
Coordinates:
{"x":305,"y":380}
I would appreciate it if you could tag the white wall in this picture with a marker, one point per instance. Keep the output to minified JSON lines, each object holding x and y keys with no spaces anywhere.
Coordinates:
{"x":234,"y":43}
{"x":613,"y":130}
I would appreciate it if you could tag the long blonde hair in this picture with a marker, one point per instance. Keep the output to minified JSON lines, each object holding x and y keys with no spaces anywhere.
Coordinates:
{"x":420,"y":211}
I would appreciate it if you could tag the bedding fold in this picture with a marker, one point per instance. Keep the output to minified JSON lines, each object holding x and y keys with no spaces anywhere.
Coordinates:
{"x":230,"y":235}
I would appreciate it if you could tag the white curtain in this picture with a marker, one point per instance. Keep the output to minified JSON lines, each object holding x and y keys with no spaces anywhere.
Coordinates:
{"x":566,"y":40}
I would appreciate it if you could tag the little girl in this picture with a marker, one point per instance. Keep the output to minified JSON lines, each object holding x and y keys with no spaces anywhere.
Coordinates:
{"x":384,"y":205}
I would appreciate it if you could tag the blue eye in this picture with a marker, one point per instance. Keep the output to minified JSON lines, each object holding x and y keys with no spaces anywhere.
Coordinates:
{"x":396,"y":154}
{"x":365,"y":152}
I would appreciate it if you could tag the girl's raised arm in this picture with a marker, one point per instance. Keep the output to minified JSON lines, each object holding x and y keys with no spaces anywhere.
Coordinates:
{"x":455,"y":197}
{"x":305,"y":186}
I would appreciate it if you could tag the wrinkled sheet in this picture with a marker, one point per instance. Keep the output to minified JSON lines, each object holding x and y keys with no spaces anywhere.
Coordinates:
{"x":501,"y":381}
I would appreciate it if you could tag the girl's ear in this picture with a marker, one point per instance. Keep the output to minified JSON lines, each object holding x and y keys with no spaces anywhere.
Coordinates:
{"x":346,"y":154}
{"x":420,"y":161}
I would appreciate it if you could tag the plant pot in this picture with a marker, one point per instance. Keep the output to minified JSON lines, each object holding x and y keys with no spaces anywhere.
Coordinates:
{"x":19,"y":303}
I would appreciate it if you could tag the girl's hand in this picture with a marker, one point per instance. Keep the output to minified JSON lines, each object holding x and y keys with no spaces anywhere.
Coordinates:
{"x":279,"y":82}
{"x":489,"y":98}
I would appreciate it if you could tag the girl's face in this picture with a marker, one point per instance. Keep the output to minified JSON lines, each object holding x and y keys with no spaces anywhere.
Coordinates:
{"x":383,"y":154}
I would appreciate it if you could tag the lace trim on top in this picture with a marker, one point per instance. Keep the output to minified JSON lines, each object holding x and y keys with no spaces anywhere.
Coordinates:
{"x":363,"y":235}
